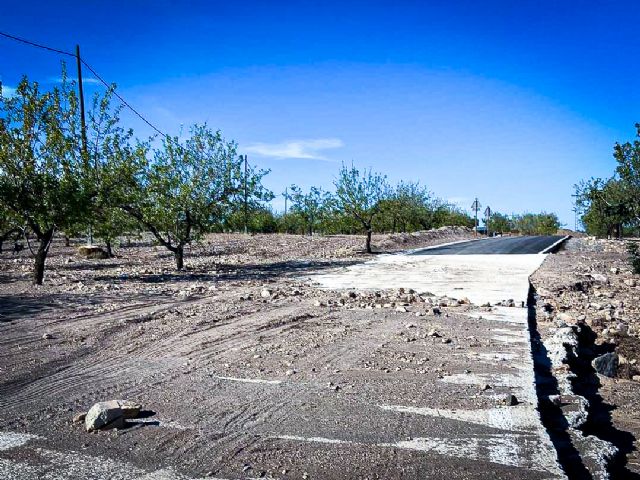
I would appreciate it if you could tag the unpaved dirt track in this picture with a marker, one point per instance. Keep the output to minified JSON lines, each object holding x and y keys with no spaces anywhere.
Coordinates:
{"x":290,"y":386}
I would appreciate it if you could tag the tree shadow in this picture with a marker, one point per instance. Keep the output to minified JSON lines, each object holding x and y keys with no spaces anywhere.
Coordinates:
{"x":15,"y":307}
{"x":226,"y":272}
{"x":84,"y":265}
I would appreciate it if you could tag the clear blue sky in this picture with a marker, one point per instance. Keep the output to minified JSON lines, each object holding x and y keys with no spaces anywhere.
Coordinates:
{"x":510,"y":101}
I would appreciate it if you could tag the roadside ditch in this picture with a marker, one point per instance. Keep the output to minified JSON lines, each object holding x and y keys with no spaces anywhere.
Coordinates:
{"x":576,"y":417}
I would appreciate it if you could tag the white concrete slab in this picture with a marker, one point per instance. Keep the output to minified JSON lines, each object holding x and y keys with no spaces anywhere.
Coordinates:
{"x":480,"y":278}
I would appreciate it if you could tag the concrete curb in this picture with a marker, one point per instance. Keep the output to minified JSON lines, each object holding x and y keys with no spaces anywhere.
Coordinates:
{"x":551,"y":247}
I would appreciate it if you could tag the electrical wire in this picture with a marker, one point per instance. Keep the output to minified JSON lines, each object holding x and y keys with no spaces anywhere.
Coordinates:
{"x":33,"y":44}
{"x":102,"y":80}
{"x":124,"y":102}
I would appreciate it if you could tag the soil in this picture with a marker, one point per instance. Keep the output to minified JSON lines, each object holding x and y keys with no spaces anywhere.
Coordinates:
{"x":234,"y":360}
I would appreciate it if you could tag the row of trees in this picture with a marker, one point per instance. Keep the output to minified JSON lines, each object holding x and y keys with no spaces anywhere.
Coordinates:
{"x":57,"y":177}
{"x":526,"y":224}
{"x":611,"y":207}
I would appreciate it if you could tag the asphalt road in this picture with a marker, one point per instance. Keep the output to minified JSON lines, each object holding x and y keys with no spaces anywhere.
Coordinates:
{"x":495,"y":246}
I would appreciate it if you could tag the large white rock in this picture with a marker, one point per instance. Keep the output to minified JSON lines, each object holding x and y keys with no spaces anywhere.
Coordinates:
{"x":110,"y":414}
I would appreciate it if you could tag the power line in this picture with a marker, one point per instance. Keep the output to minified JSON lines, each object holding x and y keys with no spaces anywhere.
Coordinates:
{"x":102,"y":80}
{"x":33,"y":44}
{"x":124,"y":102}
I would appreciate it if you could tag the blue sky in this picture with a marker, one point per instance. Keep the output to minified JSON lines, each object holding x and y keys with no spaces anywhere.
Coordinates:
{"x":512,"y":102}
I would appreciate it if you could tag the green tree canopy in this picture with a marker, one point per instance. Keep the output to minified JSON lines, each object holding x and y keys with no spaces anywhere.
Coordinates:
{"x":499,"y":223}
{"x":188,"y":187}
{"x":358,"y":195}
{"x":627,"y":156}
{"x":311,"y":207}
{"x":40,"y":163}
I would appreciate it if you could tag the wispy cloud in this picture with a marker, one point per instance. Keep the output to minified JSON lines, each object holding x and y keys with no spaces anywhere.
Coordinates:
{"x":462,"y":202}
{"x":7,"y":91}
{"x":88,"y":80}
{"x":308,"y":149}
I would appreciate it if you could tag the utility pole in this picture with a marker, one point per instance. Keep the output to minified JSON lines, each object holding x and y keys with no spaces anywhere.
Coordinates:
{"x":475,"y":206}
{"x":487,"y":216}
{"x":286,"y":197}
{"x":575,"y":212}
{"x":83,"y":127}
{"x":246,"y":197}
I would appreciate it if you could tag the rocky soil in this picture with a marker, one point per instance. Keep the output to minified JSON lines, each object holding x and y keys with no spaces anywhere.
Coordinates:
{"x":238,"y":358}
{"x":589,"y":288}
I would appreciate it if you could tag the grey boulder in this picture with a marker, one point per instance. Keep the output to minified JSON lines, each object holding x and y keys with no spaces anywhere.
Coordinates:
{"x":606,"y":364}
{"x":110,"y":414}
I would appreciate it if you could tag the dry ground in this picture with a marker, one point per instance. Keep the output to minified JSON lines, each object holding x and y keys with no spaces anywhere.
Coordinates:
{"x":245,"y":369}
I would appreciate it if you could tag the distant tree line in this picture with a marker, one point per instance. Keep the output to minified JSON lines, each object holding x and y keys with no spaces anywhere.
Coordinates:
{"x":611,"y":207}
{"x":525,"y":224}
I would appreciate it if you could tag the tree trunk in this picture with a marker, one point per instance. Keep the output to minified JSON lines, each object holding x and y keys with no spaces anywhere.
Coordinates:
{"x":369,"y":240}
{"x":66,"y":241}
{"x":41,"y":256}
{"x":179,"y":254}
{"x":1,"y":242}
{"x":109,"y":250}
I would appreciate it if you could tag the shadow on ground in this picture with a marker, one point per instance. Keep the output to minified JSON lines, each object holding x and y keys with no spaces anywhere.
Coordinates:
{"x":15,"y":307}
{"x":291,"y":268}
{"x":599,"y":421}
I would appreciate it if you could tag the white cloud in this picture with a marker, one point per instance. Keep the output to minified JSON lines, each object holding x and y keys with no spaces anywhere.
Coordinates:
{"x":308,"y":149}
{"x":88,"y":80}
{"x":8,"y":92}
{"x":462,"y":202}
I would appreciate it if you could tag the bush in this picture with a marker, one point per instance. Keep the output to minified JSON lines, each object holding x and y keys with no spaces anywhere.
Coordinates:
{"x":634,"y":257}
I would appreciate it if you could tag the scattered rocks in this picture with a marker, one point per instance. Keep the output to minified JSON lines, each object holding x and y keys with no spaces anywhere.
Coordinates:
{"x":510,"y":400}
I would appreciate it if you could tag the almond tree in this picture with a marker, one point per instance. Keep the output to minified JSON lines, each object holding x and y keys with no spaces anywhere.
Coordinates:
{"x":309,"y":206}
{"x":628,"y":157}
{"x":358,"y":195}
{"x":40,"y":168}
{"x":188,"y":187}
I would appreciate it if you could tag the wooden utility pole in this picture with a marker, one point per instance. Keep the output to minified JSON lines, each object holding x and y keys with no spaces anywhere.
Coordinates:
{"x":83,"y":124}
{"x":246,"y":197}
{"x":83,"y":127}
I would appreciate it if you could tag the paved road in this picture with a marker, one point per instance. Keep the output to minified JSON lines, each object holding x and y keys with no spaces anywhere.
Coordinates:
{"x":493,"y":246}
